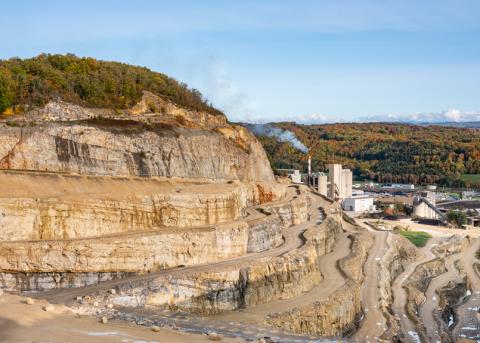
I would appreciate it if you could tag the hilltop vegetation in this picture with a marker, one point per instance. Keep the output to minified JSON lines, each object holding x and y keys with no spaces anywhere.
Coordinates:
{"x":383,"y":152}
{"x":88,"y":82}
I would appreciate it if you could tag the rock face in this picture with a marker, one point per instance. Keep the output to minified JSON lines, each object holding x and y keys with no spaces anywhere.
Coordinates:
{"x":52,"y":263}
{"x":400,"y":252}
{"x":416,"y":286}
{"x":130,"y":191}
{"x":105,"y":206}
{"x":269,"y":279}
{"x":67,"y":138}
{"x":132,"y":253}
{"x":340,"y":314}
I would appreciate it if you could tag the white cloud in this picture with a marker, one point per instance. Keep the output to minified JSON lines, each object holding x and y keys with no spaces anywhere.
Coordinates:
{"x":451,"y":115}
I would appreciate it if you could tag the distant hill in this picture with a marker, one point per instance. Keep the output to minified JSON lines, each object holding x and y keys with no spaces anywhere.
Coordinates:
{"x":384,"y":152}
{"x":465,"y":124}
{"x":88,"y":82}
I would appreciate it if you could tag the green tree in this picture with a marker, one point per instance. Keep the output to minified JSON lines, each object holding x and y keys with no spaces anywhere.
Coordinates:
{"x":457,"y":217}
{"x":7,"y":91}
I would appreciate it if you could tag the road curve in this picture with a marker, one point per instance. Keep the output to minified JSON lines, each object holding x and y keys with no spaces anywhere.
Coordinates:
{"x":432,"y":300}
{"x":374,"y":324}
{"x":400,"y":294}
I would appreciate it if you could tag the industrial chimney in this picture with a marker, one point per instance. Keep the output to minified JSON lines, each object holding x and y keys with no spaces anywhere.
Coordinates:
{"x":309,"y":169}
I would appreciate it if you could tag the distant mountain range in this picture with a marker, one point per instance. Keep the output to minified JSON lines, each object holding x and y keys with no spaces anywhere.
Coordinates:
{"x":465,"y":124}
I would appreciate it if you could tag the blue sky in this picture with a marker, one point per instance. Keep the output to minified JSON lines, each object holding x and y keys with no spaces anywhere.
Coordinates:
{"x":278,"y":60}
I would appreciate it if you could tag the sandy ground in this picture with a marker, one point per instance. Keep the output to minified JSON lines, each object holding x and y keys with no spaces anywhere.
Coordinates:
{"x":467,"y":257}
{"x":439,"y":231}
{"x":22,"y":323}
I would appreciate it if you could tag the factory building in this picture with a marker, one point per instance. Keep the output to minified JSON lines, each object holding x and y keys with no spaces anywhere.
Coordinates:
{"x":362,"y":203}
{"x":322,"y":184}
{"x":424,"y":206}
{"x":340,"y":182}
{"x":346,"y":184}
{"x":336,"y":185}
{"x":319,"y":181}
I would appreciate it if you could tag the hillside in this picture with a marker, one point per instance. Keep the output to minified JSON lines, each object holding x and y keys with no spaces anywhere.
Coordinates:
{"x":381,"y":151}
{"x":87,"y":82}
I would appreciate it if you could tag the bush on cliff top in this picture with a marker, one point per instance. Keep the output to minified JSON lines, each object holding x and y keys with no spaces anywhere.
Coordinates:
{"x":88,"y":82}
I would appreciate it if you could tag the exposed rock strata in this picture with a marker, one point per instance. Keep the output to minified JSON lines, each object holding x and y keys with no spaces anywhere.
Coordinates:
{"x":400,"y":252}
{"x":48,"y":217}
{"x":44,"y":281}
{"x":145,"y":251}
{"x":338,"y":315}
{"x":416,"y":287}
{"x":261,"y":282}
{"x":450,"y":296}
{"x":76,"y":140}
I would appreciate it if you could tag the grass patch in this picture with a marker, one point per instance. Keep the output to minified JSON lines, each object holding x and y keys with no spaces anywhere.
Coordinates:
{"x":472,"y":179}
{"x":418,"y":238}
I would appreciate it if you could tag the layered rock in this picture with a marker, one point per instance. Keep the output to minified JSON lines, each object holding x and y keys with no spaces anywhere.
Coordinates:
{"x":339,"y":315}
{"x":416,"y":287}
{"x":68,"y":138}
{"x":145,"y":251}
{"x":211,"y":292}
{"x":90,"y":212}
{"x":399,"y":254}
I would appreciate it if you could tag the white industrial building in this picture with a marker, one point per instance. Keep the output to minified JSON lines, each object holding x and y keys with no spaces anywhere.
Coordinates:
{"x":424,"y":206}
{"x":362,"y":203}
{"x":293,"y":174}
{"x":399,"y":186}
{"x":336,"y":185}
{"x":340,"y":182}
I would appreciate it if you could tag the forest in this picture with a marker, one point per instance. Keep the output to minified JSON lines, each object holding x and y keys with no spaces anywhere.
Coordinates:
{"x":383,"y":152}
{"x":85,"y":81}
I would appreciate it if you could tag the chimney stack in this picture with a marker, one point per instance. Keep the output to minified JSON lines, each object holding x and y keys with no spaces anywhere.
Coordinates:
{"x":309,"y":169}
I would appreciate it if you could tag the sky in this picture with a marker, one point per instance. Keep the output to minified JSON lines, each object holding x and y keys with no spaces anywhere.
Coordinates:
{"x":260,"y":61}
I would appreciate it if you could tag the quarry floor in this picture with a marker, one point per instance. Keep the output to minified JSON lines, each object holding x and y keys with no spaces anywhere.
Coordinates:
{"x":20,"y":322}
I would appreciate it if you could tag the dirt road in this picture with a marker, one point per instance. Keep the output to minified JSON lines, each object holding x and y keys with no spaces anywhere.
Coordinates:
{"x":20,"y":322}
{"x":400,"y":295}
{"x":373,"y":324}
{"x":432,"y":300}
{"x":333,"y":280}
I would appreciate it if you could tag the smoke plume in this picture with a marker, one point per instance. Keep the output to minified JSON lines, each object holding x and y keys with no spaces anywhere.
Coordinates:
{"x":281,"y":134}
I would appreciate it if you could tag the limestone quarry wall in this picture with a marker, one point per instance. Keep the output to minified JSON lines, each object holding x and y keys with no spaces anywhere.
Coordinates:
{"x":131,"y":151}
{"x":339,"y":315}
{"x":416,"y":287}
{"x":266,"y":233}
{"x":400,"y":252}
{"x":268,"y":279}
{"x":70,"y":218}
{"x":142,"y":252}
{"x":23,"y":263}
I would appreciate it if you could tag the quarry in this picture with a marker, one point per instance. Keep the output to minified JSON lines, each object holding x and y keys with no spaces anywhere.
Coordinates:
{"x":173,"y":220}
